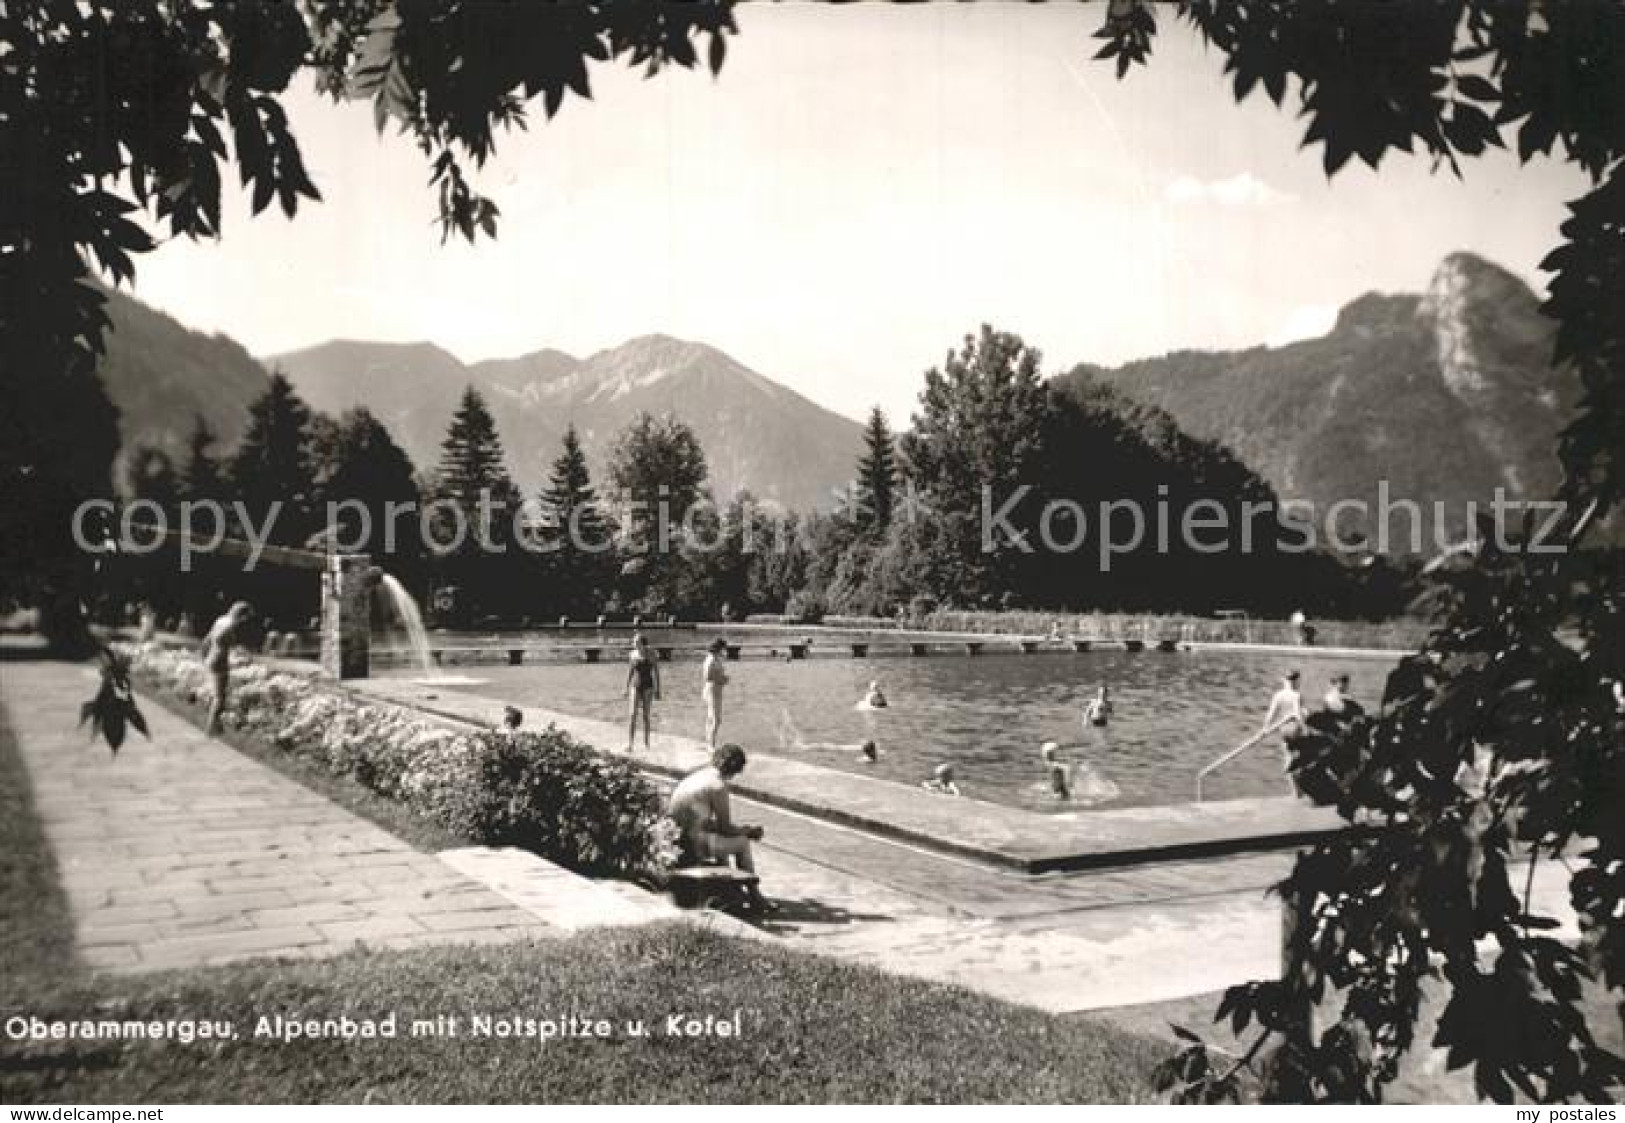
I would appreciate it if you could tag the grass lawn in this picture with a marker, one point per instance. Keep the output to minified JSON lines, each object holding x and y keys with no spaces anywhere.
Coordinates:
{"x":36,"y":928}
{"x":813,"y":1030}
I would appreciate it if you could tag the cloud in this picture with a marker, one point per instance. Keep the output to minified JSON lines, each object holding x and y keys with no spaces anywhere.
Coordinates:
{"x":1306,"y":321}
{"x":1243,"y":189}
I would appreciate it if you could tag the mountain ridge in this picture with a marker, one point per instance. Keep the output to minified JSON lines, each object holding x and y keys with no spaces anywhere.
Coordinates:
{"x":1445,"y":395}
{"x":758,"y":435}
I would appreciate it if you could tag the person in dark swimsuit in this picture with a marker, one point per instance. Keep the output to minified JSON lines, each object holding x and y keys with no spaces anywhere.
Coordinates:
{"x":643,"y":688}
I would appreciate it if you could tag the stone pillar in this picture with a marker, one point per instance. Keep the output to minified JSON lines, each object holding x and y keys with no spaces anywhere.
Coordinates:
{"x":346,"y":615}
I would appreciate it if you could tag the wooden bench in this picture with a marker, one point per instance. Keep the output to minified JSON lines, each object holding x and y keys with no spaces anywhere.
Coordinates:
{"x":711,"y":886}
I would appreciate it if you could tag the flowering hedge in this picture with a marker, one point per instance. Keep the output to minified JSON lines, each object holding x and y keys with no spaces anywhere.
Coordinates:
{"x":544,"y":791}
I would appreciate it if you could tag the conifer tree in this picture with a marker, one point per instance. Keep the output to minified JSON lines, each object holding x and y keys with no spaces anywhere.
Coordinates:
{"x":203,"y":474}
{"x":471,"y":457}
{"x":272,"y":468}
{"x":362,"y":464}
{"x":569,"y":495}
{"x":877,"y":476}
{"x":485,"y":570}
{"x":580,"y":538}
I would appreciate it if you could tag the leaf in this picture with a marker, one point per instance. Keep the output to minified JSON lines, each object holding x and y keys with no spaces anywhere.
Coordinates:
{"x":113,"y":727}
{"x":1477,"y":88}
{"x":1470,"y":129}
{"x":1536,"y":136}
{"x":1275,"y":85}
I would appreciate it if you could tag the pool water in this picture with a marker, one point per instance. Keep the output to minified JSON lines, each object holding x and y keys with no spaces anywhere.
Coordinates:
{"x":987,"y":715}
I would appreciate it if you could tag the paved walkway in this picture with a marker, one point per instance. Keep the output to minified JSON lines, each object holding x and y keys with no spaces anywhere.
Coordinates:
{"x":180,"y":851}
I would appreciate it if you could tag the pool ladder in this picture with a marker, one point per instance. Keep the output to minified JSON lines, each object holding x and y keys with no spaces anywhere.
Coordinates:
{"x":1237,"y":751}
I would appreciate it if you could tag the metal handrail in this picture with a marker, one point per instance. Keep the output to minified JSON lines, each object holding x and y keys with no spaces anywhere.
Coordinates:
{"x":1239,"y":749}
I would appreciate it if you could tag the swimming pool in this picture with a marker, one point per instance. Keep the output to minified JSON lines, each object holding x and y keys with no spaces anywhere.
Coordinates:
{"x":988,"y":715}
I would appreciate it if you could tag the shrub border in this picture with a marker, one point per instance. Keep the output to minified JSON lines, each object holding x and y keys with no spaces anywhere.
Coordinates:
{"x":399,"y":817}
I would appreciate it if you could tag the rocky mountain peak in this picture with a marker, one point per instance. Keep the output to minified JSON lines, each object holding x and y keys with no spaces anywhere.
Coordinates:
{"x":1374,"y":313}
{"x":1468,"y":301}
{"x":1442,"y":397}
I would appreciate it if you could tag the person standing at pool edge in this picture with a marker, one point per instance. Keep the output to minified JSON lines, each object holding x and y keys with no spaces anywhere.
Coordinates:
{"x":1285,"y":715}
{"x":1286,"y":708}
{"x":642,"y":687}
{"x":713,"y":677}
{"x":224,"y":634}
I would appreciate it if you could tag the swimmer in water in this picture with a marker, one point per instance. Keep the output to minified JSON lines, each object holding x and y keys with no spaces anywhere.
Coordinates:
{"x":942,"y":781}
{"x":1098,"y":712}
{"x":1060,"y":776}
{"x":870,"y":751}
{"x":874,"y":699}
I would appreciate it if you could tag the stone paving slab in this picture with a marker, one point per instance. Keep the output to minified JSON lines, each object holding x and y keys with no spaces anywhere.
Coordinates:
{"x":974,"y":890}
{"x":568,"y":900}
{"x":1008,"y":836}
{"x":1062,"y":962}
{"x":1131,"y":941}
{"x":180,"y":851}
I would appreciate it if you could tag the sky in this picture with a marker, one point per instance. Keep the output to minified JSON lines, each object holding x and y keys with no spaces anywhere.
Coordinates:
{"x":860,"y":188}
